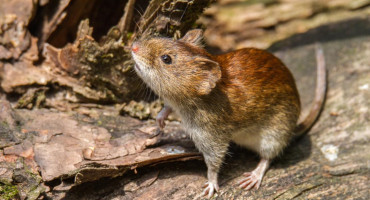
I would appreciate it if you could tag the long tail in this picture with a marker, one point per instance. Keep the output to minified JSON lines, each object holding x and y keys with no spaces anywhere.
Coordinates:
{"x":320,"y":94}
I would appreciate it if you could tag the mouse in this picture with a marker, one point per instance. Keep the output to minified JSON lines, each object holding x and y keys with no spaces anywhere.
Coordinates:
{"x":247,"y":97}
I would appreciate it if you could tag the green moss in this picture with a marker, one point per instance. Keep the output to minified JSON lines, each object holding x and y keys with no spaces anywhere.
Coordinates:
{"x":40,"y":98}
{"x":129,"y":35}
{"x":8,"y":192}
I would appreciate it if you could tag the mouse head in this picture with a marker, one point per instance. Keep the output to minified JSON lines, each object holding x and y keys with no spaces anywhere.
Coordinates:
{"x":176,"y":68}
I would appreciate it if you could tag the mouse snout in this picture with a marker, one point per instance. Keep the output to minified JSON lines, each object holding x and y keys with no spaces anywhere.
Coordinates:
{"x":135,"y":47}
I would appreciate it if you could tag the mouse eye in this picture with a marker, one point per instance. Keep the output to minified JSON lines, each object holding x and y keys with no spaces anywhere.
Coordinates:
{"x":166,"y":59}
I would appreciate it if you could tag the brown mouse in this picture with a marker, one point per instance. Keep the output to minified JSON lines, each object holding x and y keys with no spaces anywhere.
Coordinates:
{"x":247,"y":96}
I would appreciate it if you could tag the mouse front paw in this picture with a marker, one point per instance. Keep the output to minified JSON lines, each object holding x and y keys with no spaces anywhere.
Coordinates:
{"x":209,"y":188}
{"x":162,"y":115}
{"x":160,"y":122}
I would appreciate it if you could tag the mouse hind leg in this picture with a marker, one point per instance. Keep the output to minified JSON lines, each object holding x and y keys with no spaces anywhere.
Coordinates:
{"x":268,"y":145}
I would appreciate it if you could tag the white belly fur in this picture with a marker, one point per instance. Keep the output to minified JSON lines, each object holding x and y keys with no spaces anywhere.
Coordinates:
{"x":263,"y":141}
{"x":248,"y":138}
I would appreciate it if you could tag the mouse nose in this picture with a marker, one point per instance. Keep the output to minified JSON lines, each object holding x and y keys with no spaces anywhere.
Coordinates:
{"x":135,"y":47}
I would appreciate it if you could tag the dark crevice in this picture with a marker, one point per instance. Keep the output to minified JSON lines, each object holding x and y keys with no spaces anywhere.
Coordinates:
{"x":102,"y":15}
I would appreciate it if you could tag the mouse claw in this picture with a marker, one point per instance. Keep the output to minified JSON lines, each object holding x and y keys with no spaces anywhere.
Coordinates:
{"x":210,"y":189}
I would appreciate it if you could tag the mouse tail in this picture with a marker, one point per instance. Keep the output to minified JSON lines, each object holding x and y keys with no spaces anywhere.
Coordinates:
{"x":320,"y":94}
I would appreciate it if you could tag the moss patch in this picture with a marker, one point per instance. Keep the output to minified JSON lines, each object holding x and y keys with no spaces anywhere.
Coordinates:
{"x":8,"y":192}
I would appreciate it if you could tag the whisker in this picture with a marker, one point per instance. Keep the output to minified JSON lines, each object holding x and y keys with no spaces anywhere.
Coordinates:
{"x":137,"y":25}
{"x":141,"y":14}
{"x":184,"y":12}
{"x":141,"y":9}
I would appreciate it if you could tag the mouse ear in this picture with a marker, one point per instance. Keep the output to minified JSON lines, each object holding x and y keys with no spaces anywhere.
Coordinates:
{"x":193,"y":37}
{"x":210,"y":74}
